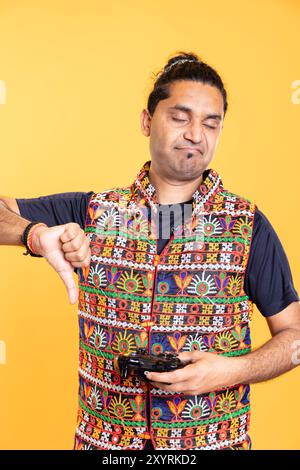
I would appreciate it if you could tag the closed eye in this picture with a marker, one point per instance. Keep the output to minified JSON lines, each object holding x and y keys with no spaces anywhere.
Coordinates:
{"x":184,"y":120}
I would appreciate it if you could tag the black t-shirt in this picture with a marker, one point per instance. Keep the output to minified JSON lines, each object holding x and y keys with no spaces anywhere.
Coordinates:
{"x":268,"y":279}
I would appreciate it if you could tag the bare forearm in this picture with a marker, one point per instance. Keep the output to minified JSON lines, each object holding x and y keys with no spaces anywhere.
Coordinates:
{"x":12,"y":226}
{"x":274,"y":358}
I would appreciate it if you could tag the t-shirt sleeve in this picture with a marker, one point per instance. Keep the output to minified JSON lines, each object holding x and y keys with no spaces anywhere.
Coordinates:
{"x":56,"y":209}
{"x":268,"y":279}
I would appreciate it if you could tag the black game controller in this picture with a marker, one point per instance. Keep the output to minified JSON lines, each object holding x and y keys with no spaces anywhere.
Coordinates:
{"x":141,"y":361}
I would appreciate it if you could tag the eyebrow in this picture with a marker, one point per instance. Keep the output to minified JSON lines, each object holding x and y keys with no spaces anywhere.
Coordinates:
{"x":186,"y":109}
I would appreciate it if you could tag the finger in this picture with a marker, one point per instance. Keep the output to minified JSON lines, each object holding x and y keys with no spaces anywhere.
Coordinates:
{"x":180,"y":387}
{"x":189,"y":357}
{"x":179,"y":375}
{"x":65,"y":271}
{"x":168,"y":377}
{"x":72,"y":245}
{"x":70,"y":232}
{"x":87,"y":260}
{"x":77,"y":256}
{"x":67,"y":277}
{"x":76,"y":243}
{"x":82,"y":264}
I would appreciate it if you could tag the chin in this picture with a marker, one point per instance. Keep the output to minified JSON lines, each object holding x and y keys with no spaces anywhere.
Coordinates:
{"x":191,"y":168}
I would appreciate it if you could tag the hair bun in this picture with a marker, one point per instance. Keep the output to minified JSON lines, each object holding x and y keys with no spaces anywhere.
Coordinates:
{"x":180,"y":59}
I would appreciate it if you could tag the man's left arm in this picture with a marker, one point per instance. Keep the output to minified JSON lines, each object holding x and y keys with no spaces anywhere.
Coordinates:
{"x":208,"y":371}
{"x":269,"y":285}
{"x":279,"y":354}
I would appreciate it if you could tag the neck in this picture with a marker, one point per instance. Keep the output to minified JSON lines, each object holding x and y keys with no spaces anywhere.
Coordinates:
{"x":173,"y":192}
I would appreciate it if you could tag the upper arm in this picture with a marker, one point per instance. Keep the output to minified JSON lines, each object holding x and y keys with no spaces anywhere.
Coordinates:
{"x":268,"y":281}
{"x":287,"y":318}
{"x":11,"y":203}
{"x":56,"y":209}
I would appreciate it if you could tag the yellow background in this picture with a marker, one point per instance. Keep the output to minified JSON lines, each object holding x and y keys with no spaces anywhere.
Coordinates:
{"x":77,"y":76}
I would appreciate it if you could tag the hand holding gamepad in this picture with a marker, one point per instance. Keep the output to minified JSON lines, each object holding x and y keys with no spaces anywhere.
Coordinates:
{"x":193,"y":373}
{"x":203,"y":372}
{"x":143,"y":362}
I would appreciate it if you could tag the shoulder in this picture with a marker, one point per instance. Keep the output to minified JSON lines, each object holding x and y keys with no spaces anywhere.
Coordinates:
{"x":266,"y":247}
{"x":264,"y":229}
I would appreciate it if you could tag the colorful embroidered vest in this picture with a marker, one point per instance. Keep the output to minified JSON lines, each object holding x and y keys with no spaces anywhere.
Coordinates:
{"x":190,"y":297}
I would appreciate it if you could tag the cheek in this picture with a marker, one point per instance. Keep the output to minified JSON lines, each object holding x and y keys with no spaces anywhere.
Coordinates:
{"x":167,"y":133}
{"x":159,"y":134}
{"x":212,"y":140}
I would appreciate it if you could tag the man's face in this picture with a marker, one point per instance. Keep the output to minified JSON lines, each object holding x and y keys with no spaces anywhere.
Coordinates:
{"x":191,"y":117}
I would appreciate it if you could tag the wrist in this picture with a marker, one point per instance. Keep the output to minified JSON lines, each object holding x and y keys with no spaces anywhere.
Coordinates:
{"x":34,"y":238}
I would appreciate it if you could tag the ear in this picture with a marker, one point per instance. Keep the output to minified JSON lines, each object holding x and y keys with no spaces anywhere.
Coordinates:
{"x":145,"y":119}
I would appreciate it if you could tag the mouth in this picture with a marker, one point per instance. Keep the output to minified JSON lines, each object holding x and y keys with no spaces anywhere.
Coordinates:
{"x":190,"y":149}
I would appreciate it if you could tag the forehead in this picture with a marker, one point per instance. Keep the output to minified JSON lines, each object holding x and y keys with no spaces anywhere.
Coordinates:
{"x":200,"y":97}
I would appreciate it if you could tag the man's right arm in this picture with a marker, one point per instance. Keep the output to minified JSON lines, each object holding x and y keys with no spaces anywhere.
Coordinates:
{"x":64,"y":246}
{"x":12,"y":225}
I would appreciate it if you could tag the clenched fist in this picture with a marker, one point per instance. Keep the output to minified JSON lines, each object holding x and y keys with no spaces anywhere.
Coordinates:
{"x":65,"y":247}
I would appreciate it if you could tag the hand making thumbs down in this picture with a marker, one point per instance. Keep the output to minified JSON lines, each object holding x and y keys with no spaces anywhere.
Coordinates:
{"x":65,"y":247}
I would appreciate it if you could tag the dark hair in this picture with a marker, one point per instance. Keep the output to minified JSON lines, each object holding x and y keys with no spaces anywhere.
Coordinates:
{"x":193,"y":68}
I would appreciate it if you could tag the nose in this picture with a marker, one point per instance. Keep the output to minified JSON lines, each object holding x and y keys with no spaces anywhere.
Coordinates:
{"x":194,"y":132}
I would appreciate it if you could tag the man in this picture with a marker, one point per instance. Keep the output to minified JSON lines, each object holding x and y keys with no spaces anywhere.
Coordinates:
{"x":190,"y":291}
